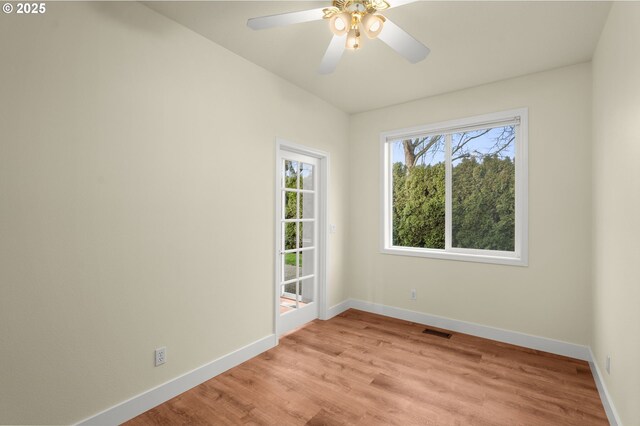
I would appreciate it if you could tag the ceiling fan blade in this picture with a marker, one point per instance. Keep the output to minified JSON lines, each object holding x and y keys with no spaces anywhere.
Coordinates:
{"x":398,"y":3}
{"x":333,"y":54}
{"x":403,"y":43}
{"x":285,"y":19}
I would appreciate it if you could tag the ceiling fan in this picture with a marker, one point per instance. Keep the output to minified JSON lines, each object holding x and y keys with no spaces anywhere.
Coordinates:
{"x":346,"y":19}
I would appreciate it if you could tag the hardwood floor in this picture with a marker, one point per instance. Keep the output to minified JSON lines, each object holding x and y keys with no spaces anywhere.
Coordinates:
{"x":363,"y":369}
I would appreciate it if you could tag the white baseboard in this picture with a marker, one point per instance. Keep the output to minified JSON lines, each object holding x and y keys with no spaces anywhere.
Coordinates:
{"x":338,"y":309}
{"x":507,"y":336}
{"x":153,"y":397}
{"x":607,"y":402}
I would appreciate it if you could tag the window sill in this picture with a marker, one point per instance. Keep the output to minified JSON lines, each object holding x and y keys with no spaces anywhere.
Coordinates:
{"x":450,"y":255}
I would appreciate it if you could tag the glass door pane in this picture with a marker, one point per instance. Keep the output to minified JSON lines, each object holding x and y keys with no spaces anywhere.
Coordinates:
{"x":298,"y":236}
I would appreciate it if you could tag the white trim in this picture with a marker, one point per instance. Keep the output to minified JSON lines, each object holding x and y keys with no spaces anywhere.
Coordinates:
{"x":298,"y":249}
{"x":385,"y":189}
{"x":451,"y":126}
{"x":520,"y":257}
{"x":130,"y":408}
{"x":453,"y":255}
{"x":293,"y":280}
{"x":522,"y":188}
{"x":301,"y":191}
{"x":607,"y":402}
{"x":338,"y":309}
{"x":448,"y":195}
{"x":322,"y":225}
{"x":501,"y":335}
{"x":323,"y":234}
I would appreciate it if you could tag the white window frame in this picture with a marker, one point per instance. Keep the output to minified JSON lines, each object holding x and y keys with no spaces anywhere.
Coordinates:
{"x":520,"y":256}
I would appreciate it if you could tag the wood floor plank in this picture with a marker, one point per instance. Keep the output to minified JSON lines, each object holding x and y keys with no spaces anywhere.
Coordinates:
{"x":365,"y":369}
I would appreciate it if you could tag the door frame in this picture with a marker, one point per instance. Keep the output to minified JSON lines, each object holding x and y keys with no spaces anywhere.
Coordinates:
{"x":282,"y":145}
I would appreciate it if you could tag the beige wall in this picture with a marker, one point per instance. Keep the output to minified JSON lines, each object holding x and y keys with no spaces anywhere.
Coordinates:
{"x":551,"y":297}
{"x":616,"y":152}
{"x":136,"y":159}
{"x":136,"y":187}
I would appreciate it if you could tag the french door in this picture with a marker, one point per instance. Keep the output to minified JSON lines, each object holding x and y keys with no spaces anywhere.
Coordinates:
{"x":297,"y":243}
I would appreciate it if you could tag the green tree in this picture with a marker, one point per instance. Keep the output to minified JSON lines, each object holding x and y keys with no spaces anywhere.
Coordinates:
{"x":418,"y":205}
{"x":290,"y":203}
{"x":483,"y":203}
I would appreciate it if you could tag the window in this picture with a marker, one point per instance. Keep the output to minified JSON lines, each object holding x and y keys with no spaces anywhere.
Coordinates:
{"x":457,"y":190}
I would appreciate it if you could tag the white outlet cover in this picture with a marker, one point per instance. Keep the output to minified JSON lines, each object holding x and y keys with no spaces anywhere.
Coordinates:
{"x":161,"y":356}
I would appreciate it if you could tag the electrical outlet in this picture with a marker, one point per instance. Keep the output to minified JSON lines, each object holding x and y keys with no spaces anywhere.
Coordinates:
{"x":607,"y":364}
{"x":414,"y":294}
{"x":161,"y":356}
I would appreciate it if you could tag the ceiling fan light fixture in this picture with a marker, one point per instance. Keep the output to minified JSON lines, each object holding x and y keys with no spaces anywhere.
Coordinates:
{"x":346,"y":19}
{"x":340,"y":23}
{"x":353,"y":38}
{"x":372,"y":25}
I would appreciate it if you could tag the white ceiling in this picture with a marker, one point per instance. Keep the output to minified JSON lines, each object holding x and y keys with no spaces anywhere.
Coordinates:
{"x":471,"y":43}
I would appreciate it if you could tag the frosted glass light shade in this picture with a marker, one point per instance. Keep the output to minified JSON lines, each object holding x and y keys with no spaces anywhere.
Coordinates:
{"x":372,"y":25}
{"x":340,"y":23}
{"x":353,"y":39}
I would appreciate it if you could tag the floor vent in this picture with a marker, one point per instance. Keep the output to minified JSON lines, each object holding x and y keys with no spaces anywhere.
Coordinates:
{"x":437,"y":333}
